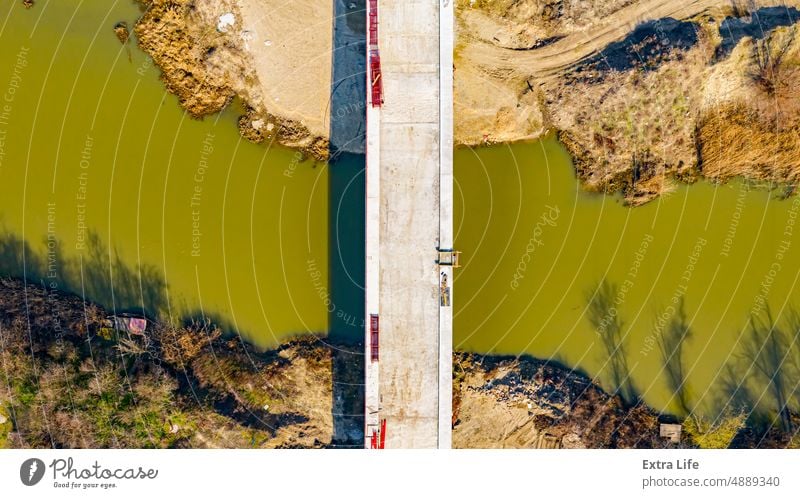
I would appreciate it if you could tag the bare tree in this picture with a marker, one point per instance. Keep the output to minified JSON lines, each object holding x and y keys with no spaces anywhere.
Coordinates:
{"x":793,"y":337}
{"x":604,"y":317}
{"x":768,"y":55}
{"x":671,"y":341}
{"x":767,"y":350}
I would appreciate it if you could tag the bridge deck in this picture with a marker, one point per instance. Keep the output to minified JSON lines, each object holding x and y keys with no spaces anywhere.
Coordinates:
{"x":409,"y":224}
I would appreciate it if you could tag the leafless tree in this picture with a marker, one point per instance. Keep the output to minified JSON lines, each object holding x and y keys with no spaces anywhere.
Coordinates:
{"x":603,"y":315}
{"x":766,"y":348}
{"x":671,"y":342}
{"x":768,"y":55}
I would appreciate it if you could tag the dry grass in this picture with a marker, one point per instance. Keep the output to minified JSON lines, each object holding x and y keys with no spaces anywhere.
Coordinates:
{"x":634,"y":131}
{"x":184,"y":387}
{"x":674,"y":116}
{"x":178,"y":44}
{"x":736,"y":141}
{"x":557,"y":17}
{"x":633,"y":128}
{"x":757,"y":135}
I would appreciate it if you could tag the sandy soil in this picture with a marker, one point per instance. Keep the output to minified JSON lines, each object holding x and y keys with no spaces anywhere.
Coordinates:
{"x":552,"y":59}
{"x":510,"y":402}
{"x":636,"y":104}
{"x":290,"y":44}
{"x":493,"y":58}
{"x":504,"y":402}
{"x":275,"y":56}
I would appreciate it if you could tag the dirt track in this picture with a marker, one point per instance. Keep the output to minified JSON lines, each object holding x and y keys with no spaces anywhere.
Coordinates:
{"x":520,"y":79}
{"x":552,"y":59}
{"x":622,"y":94}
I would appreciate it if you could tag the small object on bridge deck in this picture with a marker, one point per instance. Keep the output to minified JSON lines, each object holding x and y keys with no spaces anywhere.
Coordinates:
{"x":444,"y":290}
{"x":374,"y":326}
{"x":449,"y":257}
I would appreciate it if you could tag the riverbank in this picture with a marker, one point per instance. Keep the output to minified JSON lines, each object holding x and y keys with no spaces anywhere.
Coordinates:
{"x":176,"y":387}
{"x":276,"y":61}
{"x":642,"y":93}
{"x":504,"y":402}
{"x":524,"y":402}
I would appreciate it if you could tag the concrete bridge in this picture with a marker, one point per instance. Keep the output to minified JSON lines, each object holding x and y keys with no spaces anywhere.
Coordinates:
{"x":409,"y":224}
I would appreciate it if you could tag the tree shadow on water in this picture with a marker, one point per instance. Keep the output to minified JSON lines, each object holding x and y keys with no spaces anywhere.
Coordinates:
{"x":17,"y":259}
{"x":671,"y":343}
{"x":101,"y":276}
{"x":604,"y":316}
{"x":761,"y":378}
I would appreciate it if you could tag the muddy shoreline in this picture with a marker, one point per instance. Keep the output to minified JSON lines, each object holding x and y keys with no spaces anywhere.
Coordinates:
{"x":206,"y":61}
{"x":523,"y":402}
{"x":193,"y":387}
{"x":185,"y":386}
{"x":707,"y":90}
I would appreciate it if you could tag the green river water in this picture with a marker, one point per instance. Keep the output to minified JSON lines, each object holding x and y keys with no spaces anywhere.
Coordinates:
{"x":107,"y":180}
{"x":534,"y":244}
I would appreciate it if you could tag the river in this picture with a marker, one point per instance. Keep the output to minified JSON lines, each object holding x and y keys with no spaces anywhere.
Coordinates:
{"x":105,"y":179}
{"x":536,"y":246}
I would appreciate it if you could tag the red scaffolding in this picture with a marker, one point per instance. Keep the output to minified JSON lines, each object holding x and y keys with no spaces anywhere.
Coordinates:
{"x":377,"y":441}
{"x":375,"y":81}
{"x":373,"y":23}
{"x":374,"y":339}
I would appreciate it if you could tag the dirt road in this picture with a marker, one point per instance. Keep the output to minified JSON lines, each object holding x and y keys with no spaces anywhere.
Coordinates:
{"x":552,"y":59}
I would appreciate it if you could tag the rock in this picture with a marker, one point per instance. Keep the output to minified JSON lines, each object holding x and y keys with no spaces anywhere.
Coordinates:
{"x":572,"y":440}
{"x":226,"y":21}
{"x":251,"y":126}
{"x":247,"y":37}
{"x":122,"y":32}
{"x":551,"y":406}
